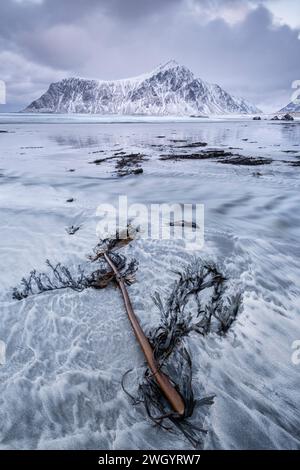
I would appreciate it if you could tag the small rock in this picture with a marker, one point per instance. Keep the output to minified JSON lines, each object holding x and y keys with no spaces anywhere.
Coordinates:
{"x":96,"y":151}
{"x":70,"y":200}
{"x":183,"y":223}
{"x":72,"y":229}
{"x":203,"y":116}
{"x":287,"y":117}
{"x":257,"y":118}
{"x":194,"y":145}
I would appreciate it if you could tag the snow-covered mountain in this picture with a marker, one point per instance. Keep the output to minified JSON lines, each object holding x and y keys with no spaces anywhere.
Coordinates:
{"x":171,"y":89}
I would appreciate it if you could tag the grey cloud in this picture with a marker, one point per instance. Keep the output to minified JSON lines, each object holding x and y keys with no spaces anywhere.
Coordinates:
{"x":119,"y":38}
{"x":24,"y":14}
{"x":253,"y":58}
{"x":41,"y":29}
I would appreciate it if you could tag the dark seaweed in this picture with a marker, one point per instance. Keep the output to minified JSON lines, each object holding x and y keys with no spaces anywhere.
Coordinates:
{"x":193,"y":145}
{"x":130,"y":164}
{"x":126,"y":164}
{"x":204,"y":155}
{"x":221,"y":156}
{"x":170,"y":350}
{"x":60,"y":277}
{"x":245,"y":161}
{"x":197,"y":304}
{"x":73,"y":229}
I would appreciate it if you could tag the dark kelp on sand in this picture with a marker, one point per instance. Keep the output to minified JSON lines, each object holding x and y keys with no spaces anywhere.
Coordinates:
{"x":179,"y":319}
{"x":198,"y":303}
{"x":221,"y":156}
{"x":126,"y":164}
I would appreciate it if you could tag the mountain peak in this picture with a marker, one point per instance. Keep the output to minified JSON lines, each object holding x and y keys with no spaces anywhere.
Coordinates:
{"x":171,"y":64}
{"x":170,"y":89}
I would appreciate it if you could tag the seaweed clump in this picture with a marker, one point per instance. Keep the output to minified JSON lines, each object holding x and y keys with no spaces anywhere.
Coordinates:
{"x":202,"y":155}
{"x":126,"y":164}
{"x":247,"y":161}
{"x":60,"y":277}
{"x":198,"y":303}
{"x":221,"y":156}
{"x":130,"y":164}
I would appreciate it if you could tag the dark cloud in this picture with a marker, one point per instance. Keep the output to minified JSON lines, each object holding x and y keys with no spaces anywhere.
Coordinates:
{"x":133,"y":9}
{"x":28,"y":13}
{"x":231,"y":42}
{"x":252,"y":54}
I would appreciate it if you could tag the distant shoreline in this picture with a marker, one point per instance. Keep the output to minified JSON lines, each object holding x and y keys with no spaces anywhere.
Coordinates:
{"x":57,"y":118}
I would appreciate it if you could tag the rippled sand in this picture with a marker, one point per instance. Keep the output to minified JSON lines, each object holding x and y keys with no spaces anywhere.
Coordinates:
{"x":66,"y":351}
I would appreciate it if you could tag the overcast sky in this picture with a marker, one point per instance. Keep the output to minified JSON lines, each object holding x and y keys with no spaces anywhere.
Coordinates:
{"x":249,"y":47}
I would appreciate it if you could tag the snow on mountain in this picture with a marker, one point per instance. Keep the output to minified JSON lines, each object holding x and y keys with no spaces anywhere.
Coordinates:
{"x":171,"y":89}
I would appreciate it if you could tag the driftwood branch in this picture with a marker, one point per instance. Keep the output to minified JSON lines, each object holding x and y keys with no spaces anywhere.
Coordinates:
{"x":162,"y":380}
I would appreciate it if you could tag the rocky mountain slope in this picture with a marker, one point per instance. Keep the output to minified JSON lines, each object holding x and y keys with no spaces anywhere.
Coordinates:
{"x":171,"y":89}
